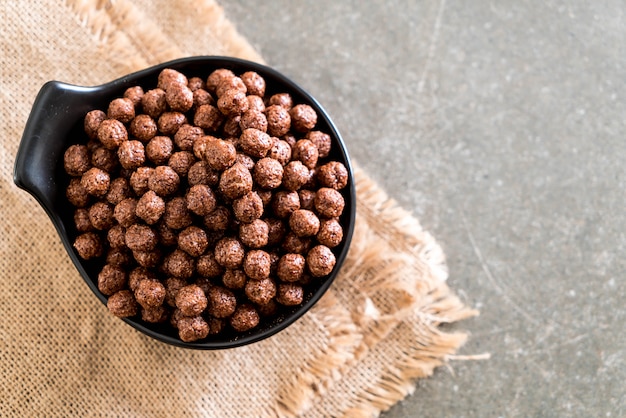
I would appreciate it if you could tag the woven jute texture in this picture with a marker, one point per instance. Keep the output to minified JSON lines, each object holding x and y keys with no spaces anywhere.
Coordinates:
{"x":62,"y":354}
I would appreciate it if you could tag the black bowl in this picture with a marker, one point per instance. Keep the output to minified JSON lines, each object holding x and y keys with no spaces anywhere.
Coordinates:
{"x":56,"y":121}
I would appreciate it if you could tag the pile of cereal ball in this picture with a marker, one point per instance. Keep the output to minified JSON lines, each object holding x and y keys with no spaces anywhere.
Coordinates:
{"x":211,"y":204}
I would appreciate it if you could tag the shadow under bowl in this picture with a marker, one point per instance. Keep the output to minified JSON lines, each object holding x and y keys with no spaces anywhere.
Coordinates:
{"x":56,"y":122}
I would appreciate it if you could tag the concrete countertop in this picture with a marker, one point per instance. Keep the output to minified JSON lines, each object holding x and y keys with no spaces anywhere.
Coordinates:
{"x":501,"y":125}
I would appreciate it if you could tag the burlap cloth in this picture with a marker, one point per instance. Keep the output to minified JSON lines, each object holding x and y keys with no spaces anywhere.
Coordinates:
{"x":61,"y":354}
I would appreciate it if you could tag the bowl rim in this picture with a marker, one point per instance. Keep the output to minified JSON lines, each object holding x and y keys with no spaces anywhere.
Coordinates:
{"x":55,"y":89}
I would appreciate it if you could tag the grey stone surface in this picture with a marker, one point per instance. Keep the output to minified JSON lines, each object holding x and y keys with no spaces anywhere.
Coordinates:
{"x":501,"y":126}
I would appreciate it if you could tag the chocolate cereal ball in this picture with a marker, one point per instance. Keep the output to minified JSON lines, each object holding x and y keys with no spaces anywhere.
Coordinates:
{"x":172,"y":286}
{"x":164,"y":181}
{"x":329,"y":202}
{"x":201,"y":200}
{"x":253,"y":119}
{"x":231,"y":127}
{"x":122,"y":109}
{"x":255,"y":84}
{"x":150,"y":207}
{"x":104,"y":159}
{"x":76,"y":160}
{"x":143,"y":127}
{"x":150,"y":293}
{"x":230,"y":84}
{"x":181,"y":162}
{"x":118,"y":257}
{"x":293,"y":243}
{"x":290,"y":267}
{"x":289,"y":294}
{"x":81,"y":220}
{"x":170,"y":78}
{"x":285,"y":203}
{"x":257,"y":264}
{"x":201,"y":173}
{"x":232,"y":102}
{"x":176,"y":215}
{"x":244,"y":318}
{"x":138,"y":274}
{"x":248,"y":207}
{"x":255,"y":143}
{"x":124,"y":212}
{"x":159,"y":149}
{"x":88,"y":245}
{"x":282,"y":99}
{"x":141,"y":238}
{"x":179,"y":264}
{"x":92,"y":122}
{"x":218,"y":220}
{"x":306,"y":152}
{"x":207,"y":265}
{"x":295,"y":175}
{"x":191,"y":300}
{"x":186,"y":136}
{"x":268,"y":173}
{"x":208,"y":117}
{"x":256,"y":103}
{"x":303,"y":117}
{"x":260,"y":291}
{"x":219,"y":154}
{"x":111,"y":133}
{"x":169,"y":122}
{"x":118,"y":190}
{"x":76,"y":193}
{"x":321,"y":140}
{"x":333,"y":174}
{"x":246,"y":161}
{"x":320,"y":261}
{"x":167,"y":236}
{"x":276,"y":231}
{"x":179,"y":98}
{"x":135,"y":94}
{"x":95,"y":181}
{"x":195,"y":83}
{"x":216,"y":77}
{"x":307,"y":199}
{"x":111,"y":279}
{"x":222,"y":302}
{"x":131,"y":154}
{"x":278,"y":120}
{"x":304,"y":223}
{"x":153,"y":103}
{"x":330,"y":233}
{"x":254,"y":234}
{"x":192,"y":328}
{"x":122,"y":304}
{"x":193,"y":241}
{"x":154,"y":315}
{"x":235,"y":181}
{"x":234,"y":279}
{"x":101,"y":216}
{"x":229,"y":253}
{"x":139,"y":179}
{"x":280,"y":151}
{"x":202,"y":97}
{"x":148,"y":258}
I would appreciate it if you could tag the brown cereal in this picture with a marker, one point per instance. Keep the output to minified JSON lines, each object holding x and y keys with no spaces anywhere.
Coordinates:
{"x":202,"y":97}
{"x":104,"y":159}
{"x":333,"y":174}
{"x":122,"y":109}
{"x":306,"y":152}
{"x":193,"y":241}
{"x":124,"y":212}
{"x":186,"y":136}
{"x":219,"y":154}
{"x":148,"y":258}
{"x":169,"y":122}
{"x":303,"y":117}
{"x":290,"y":267}
{"x":131,"y":154}
{"x":192,"y":329}
{"x":289,"y":294}
{"x":150,"y":207}
{"x":76,"y":193}
{"x":222,"y":302}
{"x":254,"y":234}
{"x":170,"y":78}
{"x":181,"y":162}
{"x":111,"y":279}
{"x":207,"y":265}
{"x":228,"y":85}
{"x":256,"y":264}
{"x":116,"y":236}
{"x":284,"y":203}
{"x":93,"y":119}
{"x":276,"y":231}
{"x":231,"y":127}
{"x":179,"y":264}
{"x":229,"y":253}
{"x":112,"y":133}
{"x":329,"y":202}
{"x":95,"y":181}
{"x":232,"y":102}
{"x":155,"y":315}
{"x":321,"y":140}
{"x":320,"y":261}
{"x":76,"y":160}
{"x":150,"y":293}
{"x":268,"y":173}
{"x":159,"y":149}
{"x":141,"y":238}
{"x":292,"y":243}
{"x":122,"y":304}
{"x":234,"y":279}
{"x":280,"y":151}
{"x":235,"y":181}
{"x":81,"y":220}
{"x":139,"y":179}
{"x":101,"y":216}
{"x":201,"y":173}
{"x":282,"y":99}
{"x":307,"y":199}
{"x":118,"y":191}
{"x":164,"y":180}
{"x":278,"y":120}
{"x":255,"y":84}
{"x":195,"y":83}
{"x":88,"y":245}
{"x":201,"y":200}
{"x":135,"y":94}
{"x":167,"y":236}
{"x":248,"y":207}
{"x":330,"y":233}
{"x":218,"y":220}
{"x":172,"y":286}
{"x":256,"y":103}
{"x":176,"y":214}
{"x":289,"y":139}
{"x":253,"y":119}
{"x":260,"y":291}
{"x":304,"y":223}
{"x":118,"y":257}
{"x":191,"y":300}
{"x":143,"y":127}
{"x":216,"y":77}
{"x":137,"y":275}
{"x":179,"y":98}
{"x":244,"y":318}
{"x":208,"y":117}
{"x":153,"y":103}
{"x":295,"y":175}
{"x":246,"y":161}
{"x":266,"y":197}
{"x":254,"y":142}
